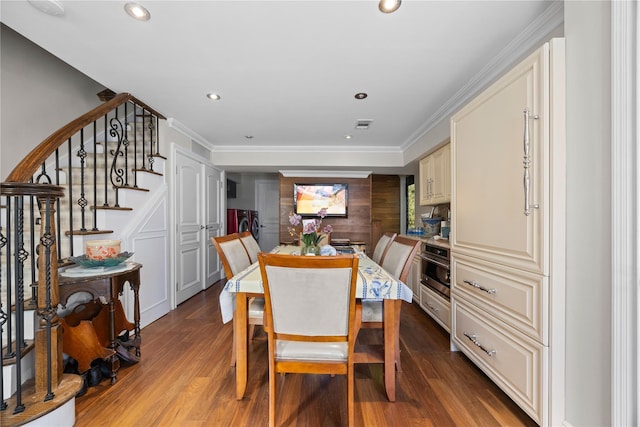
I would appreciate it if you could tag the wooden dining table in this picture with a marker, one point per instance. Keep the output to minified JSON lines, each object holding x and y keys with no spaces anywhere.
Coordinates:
{"x":373,"y":283}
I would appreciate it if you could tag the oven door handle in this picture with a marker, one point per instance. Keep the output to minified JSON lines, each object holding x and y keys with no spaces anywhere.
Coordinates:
{"x":436,"y":262}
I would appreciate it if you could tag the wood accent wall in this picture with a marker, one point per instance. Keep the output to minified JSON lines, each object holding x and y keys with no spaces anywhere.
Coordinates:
{"x":356,"y":226}
{"x":385,"y":206}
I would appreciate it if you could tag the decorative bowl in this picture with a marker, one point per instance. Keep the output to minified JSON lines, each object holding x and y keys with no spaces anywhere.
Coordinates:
{"x":83,"y":261}
{"x":431,"y":226}
{"x":99,"y":250}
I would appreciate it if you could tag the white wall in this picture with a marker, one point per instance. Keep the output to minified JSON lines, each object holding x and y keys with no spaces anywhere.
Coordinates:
{"x":246,"y":189}
{"x":588,"y":278}
{"x":40,"y":93}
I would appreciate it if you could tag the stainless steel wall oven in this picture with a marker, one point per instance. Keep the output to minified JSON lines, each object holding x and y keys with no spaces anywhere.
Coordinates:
{"x":435,"y":269}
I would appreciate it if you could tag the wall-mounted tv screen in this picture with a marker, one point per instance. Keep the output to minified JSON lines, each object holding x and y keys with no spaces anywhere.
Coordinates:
{"x":308,"y":199}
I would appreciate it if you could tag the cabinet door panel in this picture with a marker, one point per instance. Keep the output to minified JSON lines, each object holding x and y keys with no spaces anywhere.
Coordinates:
{"x":436,"y":307}
{"x":488,"y":160}
{"x":514,"y":296}
{"x":515,"y":362}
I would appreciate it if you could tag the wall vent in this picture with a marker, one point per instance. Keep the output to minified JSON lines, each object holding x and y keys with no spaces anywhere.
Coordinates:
{"x":363,"y":124}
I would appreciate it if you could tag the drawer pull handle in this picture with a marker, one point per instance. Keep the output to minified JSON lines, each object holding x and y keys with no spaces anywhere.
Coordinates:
{"x":474,"y":339}
{"x":432,"y":307}
{"x":478,"y":286}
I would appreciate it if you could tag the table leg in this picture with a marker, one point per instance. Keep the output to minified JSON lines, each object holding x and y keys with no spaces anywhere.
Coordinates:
{"x":242,"y":346}
{"x":391,"y":339}
{"x":136,"y":315}
{"x":114,"y":361}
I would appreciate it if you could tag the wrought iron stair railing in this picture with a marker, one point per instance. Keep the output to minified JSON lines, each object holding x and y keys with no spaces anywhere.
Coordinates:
{"x":48,"y":204}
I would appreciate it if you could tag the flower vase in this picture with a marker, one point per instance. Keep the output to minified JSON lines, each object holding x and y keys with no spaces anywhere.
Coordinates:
{"x":310,"y":250}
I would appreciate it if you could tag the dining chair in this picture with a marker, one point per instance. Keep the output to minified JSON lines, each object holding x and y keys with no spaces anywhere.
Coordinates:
{"x":396,"y":260}
{"x":251,"y":245}
{"x":382,"y":246}
{"x":235,"y":258}
{"x":310,"y":313}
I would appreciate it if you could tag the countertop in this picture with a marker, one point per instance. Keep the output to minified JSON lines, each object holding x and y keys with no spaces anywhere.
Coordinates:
{"x":444,"y":243}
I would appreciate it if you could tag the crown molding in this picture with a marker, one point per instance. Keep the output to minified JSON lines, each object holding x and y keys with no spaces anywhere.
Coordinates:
{"x":179,"y":127}
{"x":324,"y":174}
{"x":530,"y":38}
{"x":303,"y":148}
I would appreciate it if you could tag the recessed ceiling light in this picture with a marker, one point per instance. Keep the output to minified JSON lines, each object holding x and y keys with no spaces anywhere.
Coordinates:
{"x":50,"y":7}
{"x":213,"y":96}
{"x":137,"y":11}
{"x":348,"y":137}
{"x":248,"y":137}
{"x":388,"y":6}
{"x":360,"y":95}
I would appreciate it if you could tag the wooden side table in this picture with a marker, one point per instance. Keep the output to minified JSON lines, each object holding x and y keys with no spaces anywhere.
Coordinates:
{"x":107,"y":286}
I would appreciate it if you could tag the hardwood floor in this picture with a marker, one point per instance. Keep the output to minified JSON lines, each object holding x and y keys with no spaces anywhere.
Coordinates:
{"x":184,"y":379}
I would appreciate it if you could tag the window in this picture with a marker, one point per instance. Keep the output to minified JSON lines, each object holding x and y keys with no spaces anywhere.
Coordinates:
{"x":410,"y":192}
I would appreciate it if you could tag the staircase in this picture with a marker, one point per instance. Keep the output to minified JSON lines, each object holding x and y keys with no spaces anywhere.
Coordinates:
{"x":81,"y":183}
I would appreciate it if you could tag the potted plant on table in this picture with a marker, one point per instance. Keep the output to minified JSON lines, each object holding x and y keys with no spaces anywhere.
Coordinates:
{"x":312,"y":231}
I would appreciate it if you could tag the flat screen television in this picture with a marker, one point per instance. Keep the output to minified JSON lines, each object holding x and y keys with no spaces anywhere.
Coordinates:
{"x":308,"y":199}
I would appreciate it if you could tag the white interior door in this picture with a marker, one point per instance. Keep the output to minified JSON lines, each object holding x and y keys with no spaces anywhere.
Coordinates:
{"x":189,"y":236}
{"x":268,"y":203}
{"x":213,"y":223}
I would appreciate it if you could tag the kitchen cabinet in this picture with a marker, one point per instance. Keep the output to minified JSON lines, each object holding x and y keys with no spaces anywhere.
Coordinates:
{"x":507,"y":247}
{"x":436,"y":307}
{"x":435,"y":177}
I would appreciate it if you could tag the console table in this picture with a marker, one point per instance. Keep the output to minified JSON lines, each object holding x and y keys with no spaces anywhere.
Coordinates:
{"x":106,"y":286}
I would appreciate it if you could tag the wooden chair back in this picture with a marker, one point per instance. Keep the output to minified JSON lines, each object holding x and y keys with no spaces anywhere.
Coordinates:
{"x":251,"y":245}
{"x":232,"y":253}
{"x":310,"y":310}
{"x":399,"y":255}
{"x":382,"y":246}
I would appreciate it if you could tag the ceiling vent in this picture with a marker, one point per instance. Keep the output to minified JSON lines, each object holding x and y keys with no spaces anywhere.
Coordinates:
{"x":363,"y":124}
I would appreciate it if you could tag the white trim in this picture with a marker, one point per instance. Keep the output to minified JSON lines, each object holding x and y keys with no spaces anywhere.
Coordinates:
{"x":195,"y":137}
{"x":325,"y":173}
{"x":529,"y":39}
{"x":624,"y":214}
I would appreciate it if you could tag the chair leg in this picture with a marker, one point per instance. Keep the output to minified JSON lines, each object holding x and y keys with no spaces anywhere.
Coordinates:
{"x":272,"y":394}
{"x":350,"y":396}
{"x":397,"y":334}
{"x":233,"y":345}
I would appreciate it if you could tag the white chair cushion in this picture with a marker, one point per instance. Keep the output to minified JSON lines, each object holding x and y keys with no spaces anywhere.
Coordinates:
{"x":236,"y":255}
{"x":395,"y":258}
{"x":252,"y":247}
{"x":256,"y":307}
{"x":371,"y":311}
{"x":306,"y":293}
{"x":380,"y":247}
{"x":300,"y":350}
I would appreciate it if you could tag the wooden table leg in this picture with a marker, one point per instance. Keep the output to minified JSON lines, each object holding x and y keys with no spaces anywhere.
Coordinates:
{"x":135,"y":287}
{"x":242,"y":346}
{"x":391,"y":329}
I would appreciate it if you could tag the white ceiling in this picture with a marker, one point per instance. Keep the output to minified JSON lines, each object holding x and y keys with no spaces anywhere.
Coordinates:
{"x":287,"y":71}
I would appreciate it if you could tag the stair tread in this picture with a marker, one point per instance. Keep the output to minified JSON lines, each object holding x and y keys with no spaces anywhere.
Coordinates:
{"x":12,"y":360}
{"x":148,"y":171}
{"x":124,"y":187}
{"x":34,"y":403}
{"x":112,"y":208}
{"x":86,"y":232}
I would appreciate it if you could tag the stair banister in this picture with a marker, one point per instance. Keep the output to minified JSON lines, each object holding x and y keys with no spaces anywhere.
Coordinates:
{"x":25,"y":170}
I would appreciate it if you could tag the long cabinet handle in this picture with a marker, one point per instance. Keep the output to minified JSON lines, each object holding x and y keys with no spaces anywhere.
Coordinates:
{"x":527,"y":162}
{"x":478,"y":286}
{"x":474,"y":339}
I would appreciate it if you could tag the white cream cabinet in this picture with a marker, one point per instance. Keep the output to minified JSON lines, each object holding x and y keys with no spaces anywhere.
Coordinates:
{"x":435,"y":177}
{"x":507,"y":206}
